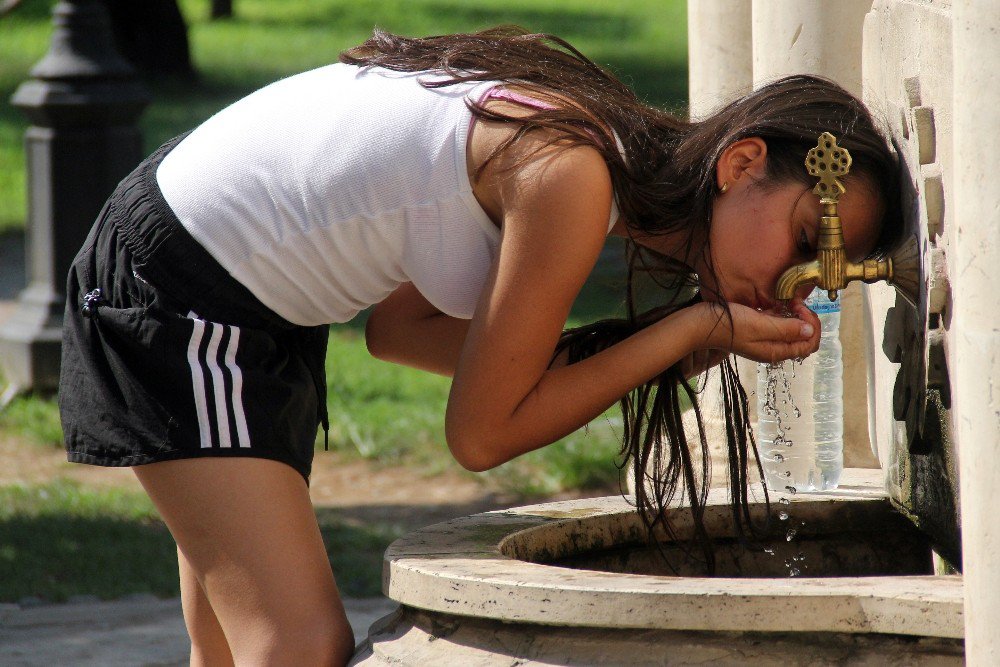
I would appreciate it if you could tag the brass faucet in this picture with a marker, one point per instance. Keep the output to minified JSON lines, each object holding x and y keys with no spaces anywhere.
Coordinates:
{"x":831,"y":270}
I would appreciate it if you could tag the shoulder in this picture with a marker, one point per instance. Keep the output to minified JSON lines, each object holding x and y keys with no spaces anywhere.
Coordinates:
{"x":548,"y":167}
{"x":542,"y":169}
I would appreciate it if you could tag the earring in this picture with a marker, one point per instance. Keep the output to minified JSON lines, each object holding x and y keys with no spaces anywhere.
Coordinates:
{"x":724,"y":188}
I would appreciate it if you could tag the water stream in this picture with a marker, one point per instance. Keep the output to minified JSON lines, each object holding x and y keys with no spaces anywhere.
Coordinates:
{"x":778,"y":383}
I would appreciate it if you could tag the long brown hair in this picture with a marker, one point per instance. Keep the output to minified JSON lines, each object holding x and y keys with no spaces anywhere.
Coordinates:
{"x":663,"y":181}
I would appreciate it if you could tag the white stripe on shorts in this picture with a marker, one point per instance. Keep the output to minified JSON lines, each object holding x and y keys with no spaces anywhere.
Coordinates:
{"x":222,"y":405}
{"x":242,"y":433}
{"x":218,"y":385}
{"x":198,"y":380}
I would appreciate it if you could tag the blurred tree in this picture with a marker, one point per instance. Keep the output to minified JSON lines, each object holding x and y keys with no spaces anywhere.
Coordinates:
{"x":152,"y":35}
{"x":222,"y":9}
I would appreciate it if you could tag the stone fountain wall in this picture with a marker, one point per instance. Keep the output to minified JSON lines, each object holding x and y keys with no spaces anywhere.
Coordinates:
{"x":907,"y":80}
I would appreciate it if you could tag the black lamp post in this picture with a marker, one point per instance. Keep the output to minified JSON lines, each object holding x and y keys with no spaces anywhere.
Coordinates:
{"x":82,"y":100}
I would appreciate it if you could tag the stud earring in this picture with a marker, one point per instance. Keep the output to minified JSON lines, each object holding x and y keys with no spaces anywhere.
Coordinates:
{"x":724,"y":188}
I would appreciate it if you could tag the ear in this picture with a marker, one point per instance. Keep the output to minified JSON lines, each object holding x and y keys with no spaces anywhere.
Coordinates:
{"x":744,"y":159}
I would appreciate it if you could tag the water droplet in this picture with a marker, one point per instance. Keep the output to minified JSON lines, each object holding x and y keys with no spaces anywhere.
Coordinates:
{"x":794,"y":572}
{"x":769,"y":551}
{"x":778,"y":458}
{"x":785,"y":501}
{"x":783,"y":516}
{"x":790,"y":535}
{"x":798,"y":413}
{"x":788,"y":473}
{"x":791,"y":489}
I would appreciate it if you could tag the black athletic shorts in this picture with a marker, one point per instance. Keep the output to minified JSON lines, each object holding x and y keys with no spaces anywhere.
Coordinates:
{"x":166,"y":356}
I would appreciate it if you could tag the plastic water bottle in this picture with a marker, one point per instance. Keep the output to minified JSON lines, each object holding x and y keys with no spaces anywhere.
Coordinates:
{"x":800,"y":411}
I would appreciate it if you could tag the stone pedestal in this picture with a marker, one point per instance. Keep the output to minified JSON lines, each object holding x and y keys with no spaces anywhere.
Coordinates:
{"x":575,"y":583}
{"x":82,"y":102}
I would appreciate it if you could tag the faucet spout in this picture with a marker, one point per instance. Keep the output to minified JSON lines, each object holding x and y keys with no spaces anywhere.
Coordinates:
{"x":795,"y":277}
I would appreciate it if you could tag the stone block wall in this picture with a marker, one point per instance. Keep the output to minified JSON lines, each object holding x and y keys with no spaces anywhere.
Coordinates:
{"x":907,"y":81}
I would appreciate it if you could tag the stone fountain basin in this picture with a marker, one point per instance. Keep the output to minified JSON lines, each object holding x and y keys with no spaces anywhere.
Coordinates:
{"x":575,"y":582}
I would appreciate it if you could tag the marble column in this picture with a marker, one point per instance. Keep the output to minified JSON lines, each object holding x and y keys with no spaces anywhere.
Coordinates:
{"x":720,"y":65}
{"x":976,"y":328}
{"x":823,"y":38}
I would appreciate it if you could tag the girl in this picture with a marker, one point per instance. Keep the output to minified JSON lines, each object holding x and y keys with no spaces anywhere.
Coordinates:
{"x":464,"y":185}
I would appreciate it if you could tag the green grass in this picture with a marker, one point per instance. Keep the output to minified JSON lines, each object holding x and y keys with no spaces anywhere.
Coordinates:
{"x":394,"y":415}
{"x":36,"y":418}
{"x":60,"y":539}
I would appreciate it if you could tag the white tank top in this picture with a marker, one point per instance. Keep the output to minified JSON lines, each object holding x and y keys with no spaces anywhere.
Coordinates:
{"x":322,"y":192}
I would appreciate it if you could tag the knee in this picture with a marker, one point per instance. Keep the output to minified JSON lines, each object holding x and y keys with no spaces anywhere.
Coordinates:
{"x":329,"y":644}
{"x":319,"y":642}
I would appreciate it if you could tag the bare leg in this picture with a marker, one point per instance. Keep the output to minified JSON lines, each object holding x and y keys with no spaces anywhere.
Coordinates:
{"x":208,"y":642}
{"x":247,"y":529}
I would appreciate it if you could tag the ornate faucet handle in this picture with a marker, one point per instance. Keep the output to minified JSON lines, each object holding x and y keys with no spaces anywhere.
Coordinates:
{"x":828,"y":161}
{"x":831,"y":270}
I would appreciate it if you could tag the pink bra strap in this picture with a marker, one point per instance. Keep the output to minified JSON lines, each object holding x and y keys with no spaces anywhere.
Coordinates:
{"x":498,"y":92}
{"x":501,"y":93}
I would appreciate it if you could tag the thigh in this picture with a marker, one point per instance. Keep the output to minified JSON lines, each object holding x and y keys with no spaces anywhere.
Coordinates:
{"x":249,"y":533}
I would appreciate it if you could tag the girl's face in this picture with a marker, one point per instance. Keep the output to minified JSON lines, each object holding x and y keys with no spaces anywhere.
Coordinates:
{"x":759,"y":230}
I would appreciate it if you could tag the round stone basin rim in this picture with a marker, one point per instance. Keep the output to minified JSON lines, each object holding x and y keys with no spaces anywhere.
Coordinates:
{"x":461,"y":567}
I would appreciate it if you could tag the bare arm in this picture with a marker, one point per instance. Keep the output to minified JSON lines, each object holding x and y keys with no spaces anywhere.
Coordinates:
{"x":406,"y":329}
{"x":504,"y":399}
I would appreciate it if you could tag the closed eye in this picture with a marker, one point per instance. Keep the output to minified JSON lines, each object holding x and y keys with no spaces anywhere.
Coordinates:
{"x":803,"y":244}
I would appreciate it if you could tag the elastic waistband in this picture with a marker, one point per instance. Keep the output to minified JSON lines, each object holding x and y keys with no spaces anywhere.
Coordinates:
{"x":168,"y":256}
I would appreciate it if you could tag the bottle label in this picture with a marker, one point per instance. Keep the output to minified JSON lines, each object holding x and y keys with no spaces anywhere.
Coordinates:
{"x":819,"y":302}
{"x":828,"y":307}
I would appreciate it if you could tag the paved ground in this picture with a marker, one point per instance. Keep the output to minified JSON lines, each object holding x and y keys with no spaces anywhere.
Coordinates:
{"x":139,"y":630}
